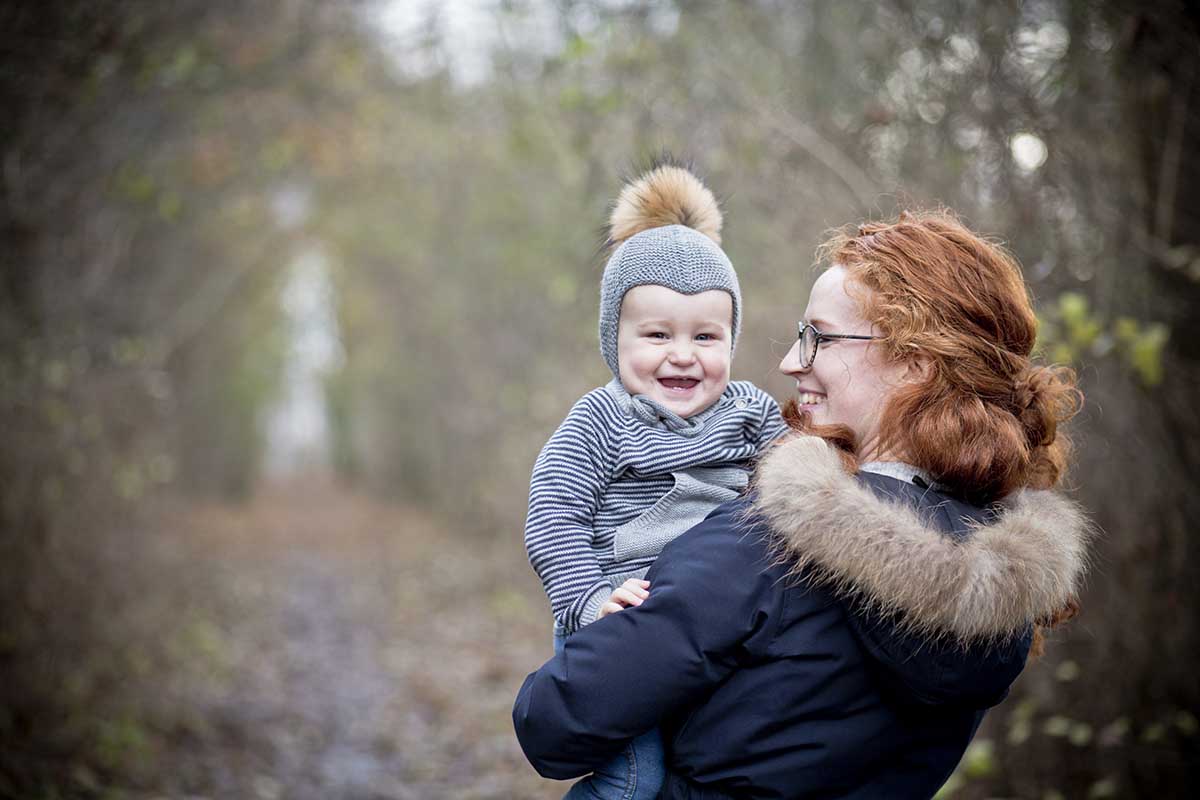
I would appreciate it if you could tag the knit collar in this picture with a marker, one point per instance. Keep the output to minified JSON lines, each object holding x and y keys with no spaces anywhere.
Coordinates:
{"x":647,"y":411}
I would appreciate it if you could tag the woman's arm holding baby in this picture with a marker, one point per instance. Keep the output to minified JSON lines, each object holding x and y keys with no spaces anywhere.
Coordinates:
{"x":617,"y":678}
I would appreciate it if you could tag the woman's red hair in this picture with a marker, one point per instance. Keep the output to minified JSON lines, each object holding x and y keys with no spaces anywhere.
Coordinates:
{"x":985,"y":419}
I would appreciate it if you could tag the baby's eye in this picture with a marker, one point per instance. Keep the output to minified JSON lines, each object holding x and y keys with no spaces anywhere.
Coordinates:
{"x":657,"y":335}
{"x":705,"y":337}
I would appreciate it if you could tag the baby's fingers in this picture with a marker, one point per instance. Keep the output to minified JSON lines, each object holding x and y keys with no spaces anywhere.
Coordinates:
{"x":627,"y":597}
{"x":609,"y":608}
{"x":637,"y":587}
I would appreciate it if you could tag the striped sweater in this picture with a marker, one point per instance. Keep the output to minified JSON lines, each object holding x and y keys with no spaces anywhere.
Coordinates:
{"x":614,"y":484}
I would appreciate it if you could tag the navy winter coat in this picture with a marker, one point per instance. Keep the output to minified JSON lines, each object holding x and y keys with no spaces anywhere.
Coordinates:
{"x":818,"y":640}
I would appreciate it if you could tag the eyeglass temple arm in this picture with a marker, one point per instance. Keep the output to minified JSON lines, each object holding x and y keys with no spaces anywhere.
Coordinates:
{"x":845,"y":336}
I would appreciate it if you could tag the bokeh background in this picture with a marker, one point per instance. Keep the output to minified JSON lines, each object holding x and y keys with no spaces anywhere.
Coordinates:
{"x":293,"y":291}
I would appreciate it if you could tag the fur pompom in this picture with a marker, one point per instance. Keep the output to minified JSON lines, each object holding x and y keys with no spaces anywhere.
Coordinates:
{"x":668,"y":194}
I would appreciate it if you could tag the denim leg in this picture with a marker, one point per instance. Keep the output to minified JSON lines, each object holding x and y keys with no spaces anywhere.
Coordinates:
{"x":615,"y":780}
{"x":650,"y":760}
{"x":636,"y":774}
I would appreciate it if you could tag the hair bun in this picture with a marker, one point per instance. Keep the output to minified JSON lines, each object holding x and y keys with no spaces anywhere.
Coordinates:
{"x":1039,"y":396}
{"x":1025,"y":389}
{"x":669,"y":194}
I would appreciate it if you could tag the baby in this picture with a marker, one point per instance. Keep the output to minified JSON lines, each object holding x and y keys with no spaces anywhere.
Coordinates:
{"x":639,"y":461}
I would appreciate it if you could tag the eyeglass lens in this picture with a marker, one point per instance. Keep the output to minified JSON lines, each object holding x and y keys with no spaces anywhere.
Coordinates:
{"x":808,"y":345}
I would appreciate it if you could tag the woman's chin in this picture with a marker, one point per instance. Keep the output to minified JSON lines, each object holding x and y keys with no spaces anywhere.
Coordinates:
{"x":816,"y":413}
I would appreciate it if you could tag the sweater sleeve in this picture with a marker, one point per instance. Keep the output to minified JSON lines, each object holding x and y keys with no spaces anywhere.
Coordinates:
{"x":569,"y":480}
{"x":710,"y":605}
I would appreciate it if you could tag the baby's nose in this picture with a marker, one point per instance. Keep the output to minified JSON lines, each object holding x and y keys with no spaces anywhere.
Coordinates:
{"x":682,"y":353}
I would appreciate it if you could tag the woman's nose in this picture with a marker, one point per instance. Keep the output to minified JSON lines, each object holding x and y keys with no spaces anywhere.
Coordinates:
{"x":790,"y":365}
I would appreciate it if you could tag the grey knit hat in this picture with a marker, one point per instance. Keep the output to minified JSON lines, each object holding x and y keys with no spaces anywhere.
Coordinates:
{"x":667,"y":228}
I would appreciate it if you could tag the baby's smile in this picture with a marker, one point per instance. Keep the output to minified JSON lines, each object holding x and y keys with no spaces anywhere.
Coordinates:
{"x":679,"y":384}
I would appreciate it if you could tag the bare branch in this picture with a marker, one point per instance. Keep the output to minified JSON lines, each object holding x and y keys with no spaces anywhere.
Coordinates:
{"x":1168,"y":174}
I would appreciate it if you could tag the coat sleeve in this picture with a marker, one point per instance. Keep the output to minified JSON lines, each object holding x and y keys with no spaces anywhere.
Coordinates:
{"x":710,"y":603}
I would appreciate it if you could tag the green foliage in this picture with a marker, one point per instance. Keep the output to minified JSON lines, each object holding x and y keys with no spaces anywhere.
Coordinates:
{"x":135,"y":184}
{"x":1072,"y":333}
{"x":1141,"y":345}
{"x":1114,"y":733}
{"x":950,"y":787}
{"x":122,"y":742}
{"x":1020,"y":722}
{"x":1067,"y":671}
{"x":1057,"y":726}
{"x":1080,"y":734}
{"x":978,"y":763}
{"x":279,"y":154}
{"x":1031,"y":729}
{"x":980,"y":759}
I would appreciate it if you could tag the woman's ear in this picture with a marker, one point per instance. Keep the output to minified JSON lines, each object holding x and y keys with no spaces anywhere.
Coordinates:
{"x":918,"y":369}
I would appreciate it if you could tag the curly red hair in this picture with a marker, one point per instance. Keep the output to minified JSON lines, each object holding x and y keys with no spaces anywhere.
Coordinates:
{"x":985,"y":419}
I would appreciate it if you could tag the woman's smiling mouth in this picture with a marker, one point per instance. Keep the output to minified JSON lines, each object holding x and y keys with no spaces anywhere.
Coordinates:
{"x":810,"y":398}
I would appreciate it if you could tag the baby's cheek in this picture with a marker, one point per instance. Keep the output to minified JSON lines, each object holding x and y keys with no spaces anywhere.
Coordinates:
{"x":722,"y":365}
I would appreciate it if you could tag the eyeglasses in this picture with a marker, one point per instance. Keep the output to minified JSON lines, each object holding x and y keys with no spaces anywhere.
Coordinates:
{"x":810,"y":339}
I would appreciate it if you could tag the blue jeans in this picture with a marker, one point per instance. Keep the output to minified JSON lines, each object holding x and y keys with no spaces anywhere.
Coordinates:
{"x":636,"y":774}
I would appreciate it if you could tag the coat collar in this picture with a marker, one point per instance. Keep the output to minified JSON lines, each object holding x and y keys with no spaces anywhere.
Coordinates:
{"x":836,"y":531}
{"x":900,"y":471}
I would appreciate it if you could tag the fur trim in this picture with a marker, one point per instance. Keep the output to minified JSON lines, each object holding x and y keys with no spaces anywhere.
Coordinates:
{"x":1020,"y":569}
{"x":666,"y":195}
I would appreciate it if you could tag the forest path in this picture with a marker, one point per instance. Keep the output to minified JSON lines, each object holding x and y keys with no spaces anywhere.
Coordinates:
{"x":350,"y":649}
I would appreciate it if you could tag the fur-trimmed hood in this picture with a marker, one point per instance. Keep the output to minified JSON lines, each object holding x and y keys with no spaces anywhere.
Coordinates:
{"x":835,"y":530}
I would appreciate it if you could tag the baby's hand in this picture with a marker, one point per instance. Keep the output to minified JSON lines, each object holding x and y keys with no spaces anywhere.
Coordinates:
{"x":630,"y":593}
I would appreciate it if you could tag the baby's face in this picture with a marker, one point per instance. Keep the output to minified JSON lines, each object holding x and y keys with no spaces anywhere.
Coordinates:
{"x":675,"y":348}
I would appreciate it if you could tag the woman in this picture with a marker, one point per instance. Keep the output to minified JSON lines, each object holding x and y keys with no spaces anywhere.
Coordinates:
{"x":841,"y":630}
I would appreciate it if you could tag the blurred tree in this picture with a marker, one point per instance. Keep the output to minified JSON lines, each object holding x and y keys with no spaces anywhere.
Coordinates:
{"x":139,"y":345}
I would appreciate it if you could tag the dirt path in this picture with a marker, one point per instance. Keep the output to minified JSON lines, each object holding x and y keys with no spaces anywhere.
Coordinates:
{"x":354,"y":651}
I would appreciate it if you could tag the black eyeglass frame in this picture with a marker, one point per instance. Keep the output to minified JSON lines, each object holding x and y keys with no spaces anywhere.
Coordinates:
{"x":820,"y":337}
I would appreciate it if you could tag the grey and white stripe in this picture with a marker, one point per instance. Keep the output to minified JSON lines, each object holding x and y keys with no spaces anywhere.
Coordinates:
{"x":597,"y":494}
